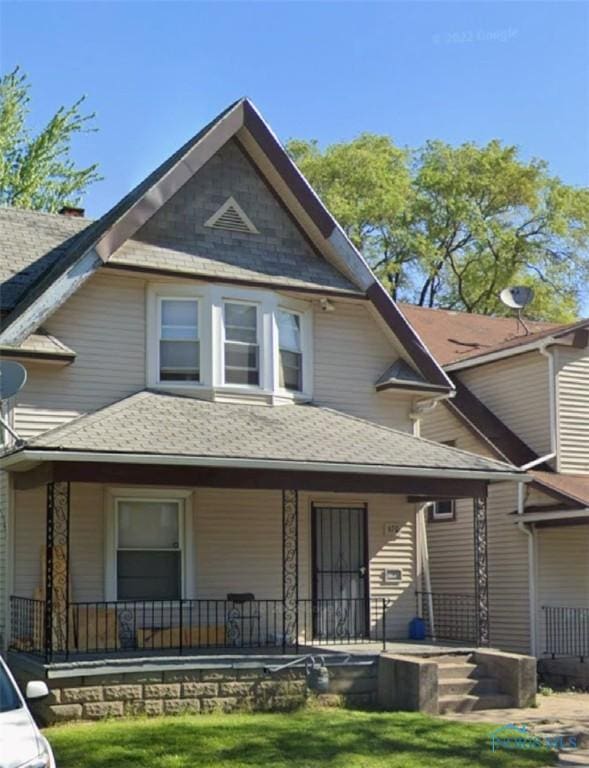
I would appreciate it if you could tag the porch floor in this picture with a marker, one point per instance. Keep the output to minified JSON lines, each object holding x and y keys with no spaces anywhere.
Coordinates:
{"x":89,"y":664}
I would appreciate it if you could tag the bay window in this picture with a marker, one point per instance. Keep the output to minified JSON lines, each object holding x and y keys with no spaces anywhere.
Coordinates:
{"x":242,"y":350}
{"x":148,"y":549}
{"x":290,"y":363}
{"x":179,"y":345}
{"x":224,"y":342}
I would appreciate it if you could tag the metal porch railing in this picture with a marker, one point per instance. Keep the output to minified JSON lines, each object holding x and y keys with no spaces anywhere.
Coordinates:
{"x":566,"y":632}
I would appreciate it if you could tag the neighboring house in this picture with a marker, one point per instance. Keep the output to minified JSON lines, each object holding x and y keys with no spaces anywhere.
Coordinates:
{"x":524,"y":398}
{"x":217,"y":421}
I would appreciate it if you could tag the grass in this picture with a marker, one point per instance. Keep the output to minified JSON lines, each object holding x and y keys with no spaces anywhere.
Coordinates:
{"x":304,"y":739}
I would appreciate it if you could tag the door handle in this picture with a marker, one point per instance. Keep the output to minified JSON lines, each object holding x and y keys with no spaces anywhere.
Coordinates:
{"x":362,"y":571}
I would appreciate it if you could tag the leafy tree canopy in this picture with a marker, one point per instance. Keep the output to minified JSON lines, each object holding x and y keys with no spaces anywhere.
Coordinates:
{"x":451,"y":226}
{"x":37,"y":171}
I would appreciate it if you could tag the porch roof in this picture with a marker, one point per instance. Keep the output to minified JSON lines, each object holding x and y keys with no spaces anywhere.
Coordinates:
{"x":162,"y":427}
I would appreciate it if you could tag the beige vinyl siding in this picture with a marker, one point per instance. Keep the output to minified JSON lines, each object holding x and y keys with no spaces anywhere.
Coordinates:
{"x":86,"y":541}
{"x":236,"y":545}
{"x":451,"y":544}
{"x":351,"y":352}
{"x":563,"y":571}
{"x":104,"y":323}
{"x":572,"y":367}
{"x":517,"y":391}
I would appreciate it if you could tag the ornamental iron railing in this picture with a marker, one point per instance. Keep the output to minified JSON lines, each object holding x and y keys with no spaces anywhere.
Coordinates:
{"x":151,"y":626}
{"x":454,"y":616}
{"x":566,"y":632}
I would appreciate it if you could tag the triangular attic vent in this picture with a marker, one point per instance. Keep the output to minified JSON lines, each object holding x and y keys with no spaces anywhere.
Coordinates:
{"x":232,"y":217}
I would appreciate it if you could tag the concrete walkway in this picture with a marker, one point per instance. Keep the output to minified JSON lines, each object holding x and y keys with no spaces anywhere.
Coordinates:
{"x":559,"y":714}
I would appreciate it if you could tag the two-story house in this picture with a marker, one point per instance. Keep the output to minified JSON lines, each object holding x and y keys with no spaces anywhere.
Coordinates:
{"x":215,"y":443}
{"x":522,"y":397}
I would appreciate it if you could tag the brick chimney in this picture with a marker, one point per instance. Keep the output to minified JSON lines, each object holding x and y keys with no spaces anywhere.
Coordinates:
{"x":70,"y":210}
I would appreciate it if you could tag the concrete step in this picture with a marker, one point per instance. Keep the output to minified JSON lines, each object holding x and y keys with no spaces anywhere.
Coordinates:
{"x":468,"y":685}
{"x":469,"y":703}
{"x":449,"y":670}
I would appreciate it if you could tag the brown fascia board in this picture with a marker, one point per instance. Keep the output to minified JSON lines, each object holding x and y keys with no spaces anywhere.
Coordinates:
{"x":407,"y":336}
{"x":475,"y":415}
{"x":107,"y":233}
{"x":29,"y":354}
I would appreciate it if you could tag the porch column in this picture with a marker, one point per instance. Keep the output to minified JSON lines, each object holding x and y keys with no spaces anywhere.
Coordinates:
{"x":290,"y":567}
{"x":57,"y":578}
{"x":481,"y":567}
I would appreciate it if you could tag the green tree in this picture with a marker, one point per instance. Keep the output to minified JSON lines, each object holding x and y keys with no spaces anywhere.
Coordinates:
{"x":458,"y":224}
{"x":37,"y":171}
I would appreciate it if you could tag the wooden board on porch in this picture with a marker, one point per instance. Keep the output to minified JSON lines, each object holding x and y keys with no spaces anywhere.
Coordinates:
{"x":169,"y":637}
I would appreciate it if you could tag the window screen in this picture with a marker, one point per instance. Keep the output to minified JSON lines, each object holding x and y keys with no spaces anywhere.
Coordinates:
{"x":148,"y":550}
{"x":289,"y":344}
{"x":179,"y":340}
{"x":242,"y":351}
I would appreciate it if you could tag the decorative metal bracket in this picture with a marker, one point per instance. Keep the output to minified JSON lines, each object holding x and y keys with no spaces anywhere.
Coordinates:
{"x":290,"y":568}
{"x":57,"y":558}
{"x":481,"y":569}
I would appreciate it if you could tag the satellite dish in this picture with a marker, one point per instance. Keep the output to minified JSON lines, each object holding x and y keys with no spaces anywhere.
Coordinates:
{"x":12,"y":378}
{"x":517,"y":297}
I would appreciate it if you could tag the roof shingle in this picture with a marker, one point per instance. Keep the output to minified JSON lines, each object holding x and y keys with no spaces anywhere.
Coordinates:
{"x":165,"y":424}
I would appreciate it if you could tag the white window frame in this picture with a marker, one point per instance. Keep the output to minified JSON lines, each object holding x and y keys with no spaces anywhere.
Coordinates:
{"x":259,"y":342}
{"x":438,"y":517}
{"x":183,"y":499}
{"x":211,"y":298}
{"x":179,"y":382}
{"x":296,"y":313}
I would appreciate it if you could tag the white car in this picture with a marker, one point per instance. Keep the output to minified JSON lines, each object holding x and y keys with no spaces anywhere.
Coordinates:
{"x":22,"y":745}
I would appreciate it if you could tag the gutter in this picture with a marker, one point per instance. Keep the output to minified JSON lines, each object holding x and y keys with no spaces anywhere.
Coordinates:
{"x":427,"y":406}
{"x":500,"y":354}
{"x":11,"y":460}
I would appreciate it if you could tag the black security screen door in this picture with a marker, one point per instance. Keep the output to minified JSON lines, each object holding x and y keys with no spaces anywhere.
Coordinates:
{"x":340,"y":573}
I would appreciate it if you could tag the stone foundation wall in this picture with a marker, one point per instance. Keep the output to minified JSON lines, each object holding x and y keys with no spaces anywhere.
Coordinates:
{"x":95,"y":696}
{"x":564,"y":673}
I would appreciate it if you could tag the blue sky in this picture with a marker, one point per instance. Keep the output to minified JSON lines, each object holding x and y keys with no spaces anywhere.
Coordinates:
{"x":154,"y":72}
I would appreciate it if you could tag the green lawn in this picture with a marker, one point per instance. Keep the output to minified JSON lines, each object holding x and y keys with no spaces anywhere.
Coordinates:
{"x":309,"y":739}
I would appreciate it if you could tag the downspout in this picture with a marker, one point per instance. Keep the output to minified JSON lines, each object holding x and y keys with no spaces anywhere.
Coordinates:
{"x":545,"y":351}
{"x":426,"y":406}
{"x":424,"y":558}
{"x":530,"y":533}
{"x":422,"y":555}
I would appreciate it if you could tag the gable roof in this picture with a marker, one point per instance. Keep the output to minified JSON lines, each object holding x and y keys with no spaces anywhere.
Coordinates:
{"x":150,"y":424}
{"x":101,"y":239}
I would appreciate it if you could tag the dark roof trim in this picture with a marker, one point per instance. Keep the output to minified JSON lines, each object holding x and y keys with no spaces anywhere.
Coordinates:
{"x":280,"y":159}
{"x":416,"y":349}
{"x":29,"y":354}
{"x":474,"y":413}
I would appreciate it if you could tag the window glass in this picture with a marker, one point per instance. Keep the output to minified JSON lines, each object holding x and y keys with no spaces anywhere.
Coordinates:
{"x":148,"y":524}
{"x":148,"y":553}
{"x":242,"y":352}
{"x":179,"y":340}
{"x":289,"y":343}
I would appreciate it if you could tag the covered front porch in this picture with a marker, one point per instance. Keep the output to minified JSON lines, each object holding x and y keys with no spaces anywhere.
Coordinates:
{"x":246,"y":570}
{"x":253,"y":528}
